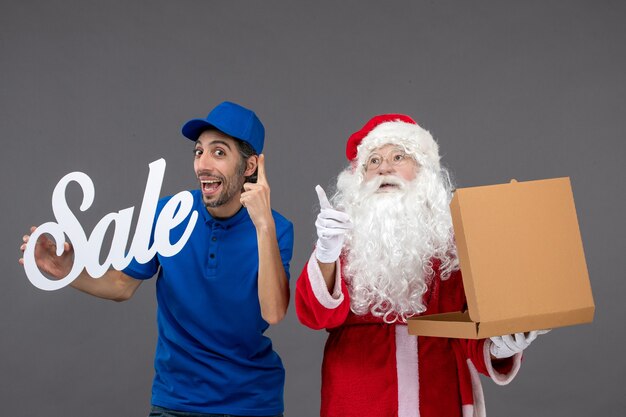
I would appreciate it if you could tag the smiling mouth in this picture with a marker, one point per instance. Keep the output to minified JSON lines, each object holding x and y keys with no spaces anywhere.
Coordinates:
{"x":210,"y":187}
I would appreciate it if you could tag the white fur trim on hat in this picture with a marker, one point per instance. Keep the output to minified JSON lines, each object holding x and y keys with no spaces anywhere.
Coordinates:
{"x":415,"y":140}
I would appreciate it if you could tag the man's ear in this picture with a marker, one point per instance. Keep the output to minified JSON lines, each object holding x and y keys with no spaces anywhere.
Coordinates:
{"x":251,"y":165}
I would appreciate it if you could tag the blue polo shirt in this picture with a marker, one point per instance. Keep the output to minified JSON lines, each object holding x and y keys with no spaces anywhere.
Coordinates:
{"x":211,"y":355}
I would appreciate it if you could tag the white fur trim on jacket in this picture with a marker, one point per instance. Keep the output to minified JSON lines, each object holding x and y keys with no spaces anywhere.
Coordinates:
{"x":318,"y":285}
{"x":407,"y":370}
{"x":478,"y":409}
{"x":416,"y":141}
{"x":467,"y":410}
{"x":498,"y":378}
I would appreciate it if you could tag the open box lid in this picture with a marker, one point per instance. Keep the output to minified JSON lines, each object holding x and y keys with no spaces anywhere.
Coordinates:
{"x":521,"y":258}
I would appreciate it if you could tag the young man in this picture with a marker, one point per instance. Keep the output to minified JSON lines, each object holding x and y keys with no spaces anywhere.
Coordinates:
{"x":399,"y":260}
{"x":219,"y":294}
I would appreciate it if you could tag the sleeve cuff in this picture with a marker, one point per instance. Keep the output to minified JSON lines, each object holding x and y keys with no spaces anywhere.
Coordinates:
{"x":137,"y":274}
{"x":501,"y":376}
{"x":318,"y":285}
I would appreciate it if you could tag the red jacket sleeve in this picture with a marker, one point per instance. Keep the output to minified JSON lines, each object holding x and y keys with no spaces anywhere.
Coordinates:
{"x":315,"y":306}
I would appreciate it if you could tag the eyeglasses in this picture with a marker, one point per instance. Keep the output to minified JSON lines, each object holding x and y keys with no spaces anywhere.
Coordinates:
{"x":395,"y":157}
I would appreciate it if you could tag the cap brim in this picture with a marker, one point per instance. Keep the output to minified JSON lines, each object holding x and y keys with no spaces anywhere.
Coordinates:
{"x":194,"y":128}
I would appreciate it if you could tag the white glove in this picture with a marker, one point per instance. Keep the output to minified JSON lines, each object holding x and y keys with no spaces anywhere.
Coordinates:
{"x":508,"y":345}
{"x":332,"y":226}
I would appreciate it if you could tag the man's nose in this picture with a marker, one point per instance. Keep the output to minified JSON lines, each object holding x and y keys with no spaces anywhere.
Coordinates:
{"x":204,"y":161}
{"x":386,"y":167}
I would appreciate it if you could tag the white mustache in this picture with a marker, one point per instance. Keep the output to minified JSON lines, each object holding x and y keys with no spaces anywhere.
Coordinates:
{"x":374,"y":184}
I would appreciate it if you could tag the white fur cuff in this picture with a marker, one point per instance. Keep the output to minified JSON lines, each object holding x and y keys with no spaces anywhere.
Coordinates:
{"x":318,"y":285}
{"x":498,"y":378}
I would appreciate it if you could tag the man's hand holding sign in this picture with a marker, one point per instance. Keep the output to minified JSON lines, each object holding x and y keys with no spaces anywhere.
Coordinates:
{"x":113,"y":285}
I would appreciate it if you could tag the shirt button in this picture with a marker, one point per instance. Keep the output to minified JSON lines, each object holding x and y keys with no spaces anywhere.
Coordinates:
{"x":212,"y":256}
{"x":213,"y":238}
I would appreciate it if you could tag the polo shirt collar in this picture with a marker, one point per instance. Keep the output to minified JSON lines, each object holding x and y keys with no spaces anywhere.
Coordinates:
{"x":238,"y":217}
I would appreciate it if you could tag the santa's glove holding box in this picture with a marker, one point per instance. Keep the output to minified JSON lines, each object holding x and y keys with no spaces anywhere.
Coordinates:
{"x":332,"y":226}
{"x":510,"y":344}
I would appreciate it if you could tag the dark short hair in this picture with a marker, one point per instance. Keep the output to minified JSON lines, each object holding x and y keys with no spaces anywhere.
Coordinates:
{"x":246,"y":151}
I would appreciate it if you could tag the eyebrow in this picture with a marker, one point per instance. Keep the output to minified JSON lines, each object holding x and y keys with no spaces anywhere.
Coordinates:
{"x":216,"y":142}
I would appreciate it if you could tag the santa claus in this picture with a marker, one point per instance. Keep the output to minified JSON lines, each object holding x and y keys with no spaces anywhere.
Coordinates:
{"x":386,"y":252}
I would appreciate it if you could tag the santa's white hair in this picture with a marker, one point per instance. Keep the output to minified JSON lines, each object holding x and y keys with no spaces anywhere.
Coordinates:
{"x":397,"y":235}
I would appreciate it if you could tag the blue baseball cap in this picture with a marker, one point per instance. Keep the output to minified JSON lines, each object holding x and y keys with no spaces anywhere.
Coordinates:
{"x":232,"y":119}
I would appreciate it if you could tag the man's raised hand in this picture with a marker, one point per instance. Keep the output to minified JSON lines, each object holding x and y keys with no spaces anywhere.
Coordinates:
{"x":332,"y":226}
{"x":256,"y":198}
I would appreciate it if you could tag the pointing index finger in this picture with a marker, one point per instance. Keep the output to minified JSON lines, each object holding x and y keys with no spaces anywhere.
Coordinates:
{"x":261,"y":178}
{"x":321,"y":195}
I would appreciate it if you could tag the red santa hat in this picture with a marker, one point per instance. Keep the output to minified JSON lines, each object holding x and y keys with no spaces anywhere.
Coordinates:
{"x":397,"y":129}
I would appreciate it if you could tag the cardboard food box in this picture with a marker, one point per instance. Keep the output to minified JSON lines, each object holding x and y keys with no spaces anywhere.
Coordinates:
{"x":522,"y":262}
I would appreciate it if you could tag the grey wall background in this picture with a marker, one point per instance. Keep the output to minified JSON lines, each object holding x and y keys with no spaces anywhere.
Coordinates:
{"x":524,"y":90}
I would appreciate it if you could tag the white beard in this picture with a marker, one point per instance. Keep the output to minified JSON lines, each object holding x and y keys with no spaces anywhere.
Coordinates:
{"x":396,"y":236}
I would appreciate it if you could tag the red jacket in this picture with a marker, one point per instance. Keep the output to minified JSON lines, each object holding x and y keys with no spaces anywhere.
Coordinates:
{"x":375,"y":369}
